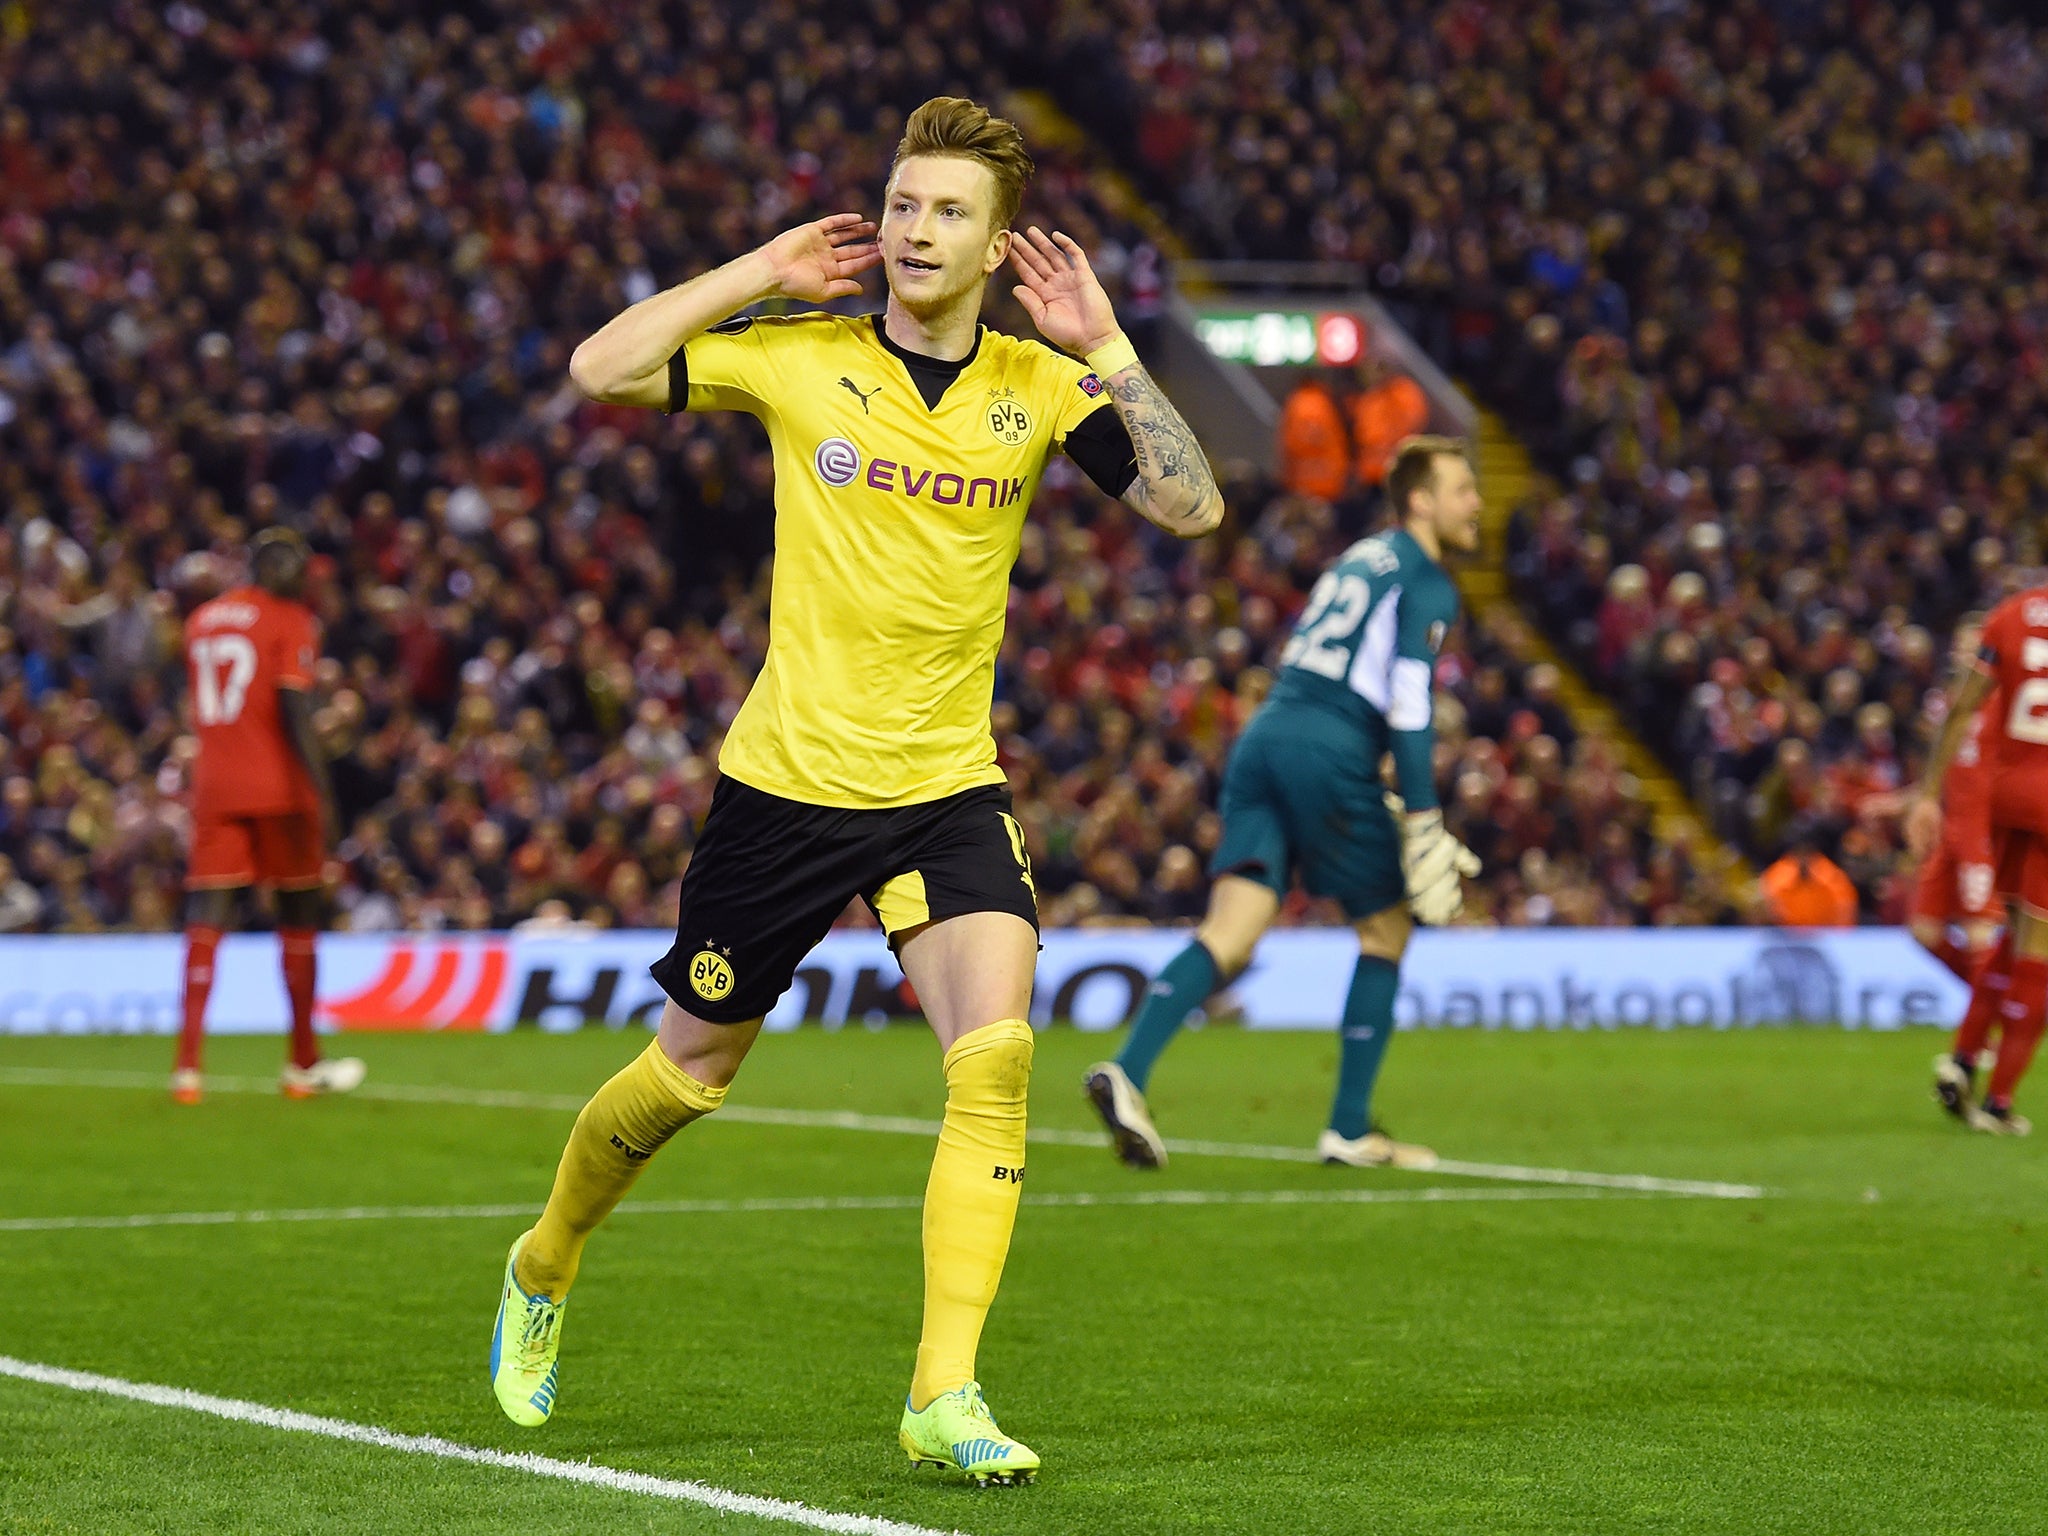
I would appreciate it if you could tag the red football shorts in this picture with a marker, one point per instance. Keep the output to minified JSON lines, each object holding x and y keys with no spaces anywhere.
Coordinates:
{"x":284,"y":851}
{"x":1941,"y":894}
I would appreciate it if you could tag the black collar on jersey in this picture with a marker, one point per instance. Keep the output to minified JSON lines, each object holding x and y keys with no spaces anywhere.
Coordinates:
{"x":932,"y":375}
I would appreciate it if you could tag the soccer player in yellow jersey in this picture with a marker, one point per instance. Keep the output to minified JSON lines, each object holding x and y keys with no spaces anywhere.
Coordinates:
{"x":907,"y":447}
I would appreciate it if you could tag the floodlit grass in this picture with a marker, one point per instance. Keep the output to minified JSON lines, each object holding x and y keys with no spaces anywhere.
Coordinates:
{"x":1857,"y":1352}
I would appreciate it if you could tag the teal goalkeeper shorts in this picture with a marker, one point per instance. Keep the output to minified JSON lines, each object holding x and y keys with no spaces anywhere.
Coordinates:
{"x":1302,"y":794}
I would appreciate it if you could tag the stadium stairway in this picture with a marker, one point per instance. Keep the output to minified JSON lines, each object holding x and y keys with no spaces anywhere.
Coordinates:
{"x":1044,"y":121}
{"x":1509,"y":478}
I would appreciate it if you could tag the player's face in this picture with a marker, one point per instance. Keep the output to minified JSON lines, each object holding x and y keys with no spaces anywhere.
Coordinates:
{"x":939,"y":240}
{"x":1455,"y":502}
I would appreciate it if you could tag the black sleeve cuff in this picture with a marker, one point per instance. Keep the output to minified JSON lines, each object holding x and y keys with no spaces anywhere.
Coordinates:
{"x":1101,"y":445}
{"x":679,"y":381}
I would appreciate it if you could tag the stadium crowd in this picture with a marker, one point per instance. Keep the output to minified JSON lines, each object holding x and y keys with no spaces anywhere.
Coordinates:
{"x":322,"y":267}
{"x":1765,"y":285}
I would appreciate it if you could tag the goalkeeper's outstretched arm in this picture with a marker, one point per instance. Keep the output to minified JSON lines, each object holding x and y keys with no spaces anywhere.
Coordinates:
{"x":626,"y":363}
{"x":1431,"y":859}
{"x":1411,"y":701}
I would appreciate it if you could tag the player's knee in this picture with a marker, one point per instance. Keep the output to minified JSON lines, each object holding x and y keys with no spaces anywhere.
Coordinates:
{"x":299,"y":909}
{"x":707,"y":1052}
{"x":2030,"y":933}
{"x":990,"y":1067}
{"x":1230,"y":949}
{"x":210,"y":909}
{"x":1237,"y":920}
{"x":1384,"y":935}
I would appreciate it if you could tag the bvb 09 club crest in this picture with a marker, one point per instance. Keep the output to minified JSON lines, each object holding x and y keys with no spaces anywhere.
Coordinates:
{"x":1008,"y":422}
{"x":710,"y":975}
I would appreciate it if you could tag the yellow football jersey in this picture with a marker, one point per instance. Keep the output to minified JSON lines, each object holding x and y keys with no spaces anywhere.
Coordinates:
{"x":896,"y":525}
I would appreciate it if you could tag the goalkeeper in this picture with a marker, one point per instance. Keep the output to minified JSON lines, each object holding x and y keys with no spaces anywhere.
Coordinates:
{"x":1303,"y":792}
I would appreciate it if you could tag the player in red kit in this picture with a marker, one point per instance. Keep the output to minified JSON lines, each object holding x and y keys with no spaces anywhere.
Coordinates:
{"x":1953,"y":893}
{"x":261,"y":802}
{"x":2009,"y":683}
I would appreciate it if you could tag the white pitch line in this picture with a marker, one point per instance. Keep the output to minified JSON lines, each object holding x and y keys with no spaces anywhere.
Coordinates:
{"x":898,"y":1125}
{"x":405,"y":1093}
{"x":1434,"y":1195}
{"x":724,"y":1500}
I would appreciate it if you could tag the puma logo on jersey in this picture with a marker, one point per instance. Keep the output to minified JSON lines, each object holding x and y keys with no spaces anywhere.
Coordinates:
{"x":864,"y":396}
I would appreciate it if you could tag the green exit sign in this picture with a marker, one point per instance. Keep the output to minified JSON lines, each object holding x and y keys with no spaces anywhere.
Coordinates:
{"x":1280,"y":338}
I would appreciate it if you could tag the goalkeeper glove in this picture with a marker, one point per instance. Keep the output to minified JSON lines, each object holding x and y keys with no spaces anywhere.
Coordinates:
{"x":1432,"y":862}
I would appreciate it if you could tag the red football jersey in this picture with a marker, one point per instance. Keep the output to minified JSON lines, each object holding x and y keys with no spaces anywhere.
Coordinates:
{"x":239,"y":650}
{"x":1966,"y":797}
{"x":2015,"y":729}
{"x":1967,"y":784}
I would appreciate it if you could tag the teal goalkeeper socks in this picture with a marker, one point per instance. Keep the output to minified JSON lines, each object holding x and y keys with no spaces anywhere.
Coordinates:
{"x":1178,"y":991}
{"x":1368,"y":1026}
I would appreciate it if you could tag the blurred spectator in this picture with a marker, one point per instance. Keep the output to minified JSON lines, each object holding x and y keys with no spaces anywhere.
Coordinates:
{"x":1388,"y":407}
{"x":1806,"y":889}
{"x":1315,"y":452}
{"x":1762,"y":285}
{"x":323,"y":267}
{"x":20,"y":906}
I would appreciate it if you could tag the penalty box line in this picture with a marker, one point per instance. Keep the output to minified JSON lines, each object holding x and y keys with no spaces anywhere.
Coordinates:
{"x":723,"y":1500}
{"x":898,"y":1125}
{"x":1435,"y":1195}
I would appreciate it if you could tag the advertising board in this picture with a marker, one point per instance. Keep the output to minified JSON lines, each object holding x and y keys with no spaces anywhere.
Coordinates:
{"x":1713,"y":978}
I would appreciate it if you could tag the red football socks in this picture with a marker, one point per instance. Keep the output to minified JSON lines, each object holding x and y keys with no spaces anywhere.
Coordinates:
{"x":1986,"y":994}
{"x":2026,"y":1000}
{"x":1956,"y":958}
{"x":299,"y":966}
{"x":200,"y":944}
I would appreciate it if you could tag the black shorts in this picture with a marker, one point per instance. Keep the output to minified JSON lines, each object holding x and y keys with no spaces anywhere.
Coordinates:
{"x":770,"y":875}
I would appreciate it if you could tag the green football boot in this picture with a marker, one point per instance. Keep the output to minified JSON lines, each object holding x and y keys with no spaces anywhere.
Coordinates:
{"x":955,"y":1429}
{"x":524,"y":1345}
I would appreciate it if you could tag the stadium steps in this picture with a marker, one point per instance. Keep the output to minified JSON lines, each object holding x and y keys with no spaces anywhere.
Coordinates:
{"x":1044,"y":121}
{"x":1509,"y":478}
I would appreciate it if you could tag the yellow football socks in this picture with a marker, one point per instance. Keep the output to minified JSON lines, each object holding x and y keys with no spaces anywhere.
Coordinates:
{"x":970,"y":1204}
{"x":622,"y":1126}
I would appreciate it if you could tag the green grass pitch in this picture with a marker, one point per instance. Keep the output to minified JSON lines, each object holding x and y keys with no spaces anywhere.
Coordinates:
{"x":1858,"y":1352}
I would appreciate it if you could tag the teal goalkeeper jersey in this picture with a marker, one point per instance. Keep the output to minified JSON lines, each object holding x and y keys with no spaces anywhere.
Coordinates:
{"x":1365,"y":651}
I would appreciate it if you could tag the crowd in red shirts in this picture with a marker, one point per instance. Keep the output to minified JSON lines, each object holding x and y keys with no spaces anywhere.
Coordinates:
{"x":309,"y":265}
{"x":1765,"y":285}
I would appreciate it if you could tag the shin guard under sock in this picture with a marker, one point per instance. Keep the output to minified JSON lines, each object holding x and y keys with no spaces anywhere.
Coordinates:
{"x":1987,"y":992}
{"x":970,"y":1203}
{"x":2020,"y":1024}
{"x":1956,"y":959}
{"x":1179,"y":990}
{"x":623,"y":1125}
{"x":299,"y":978}
{"x":201,"y":944}
{"x":1368,"y":1027}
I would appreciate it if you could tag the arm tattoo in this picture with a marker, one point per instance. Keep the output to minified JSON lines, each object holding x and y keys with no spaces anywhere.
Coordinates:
{"x":1175,"y":487}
